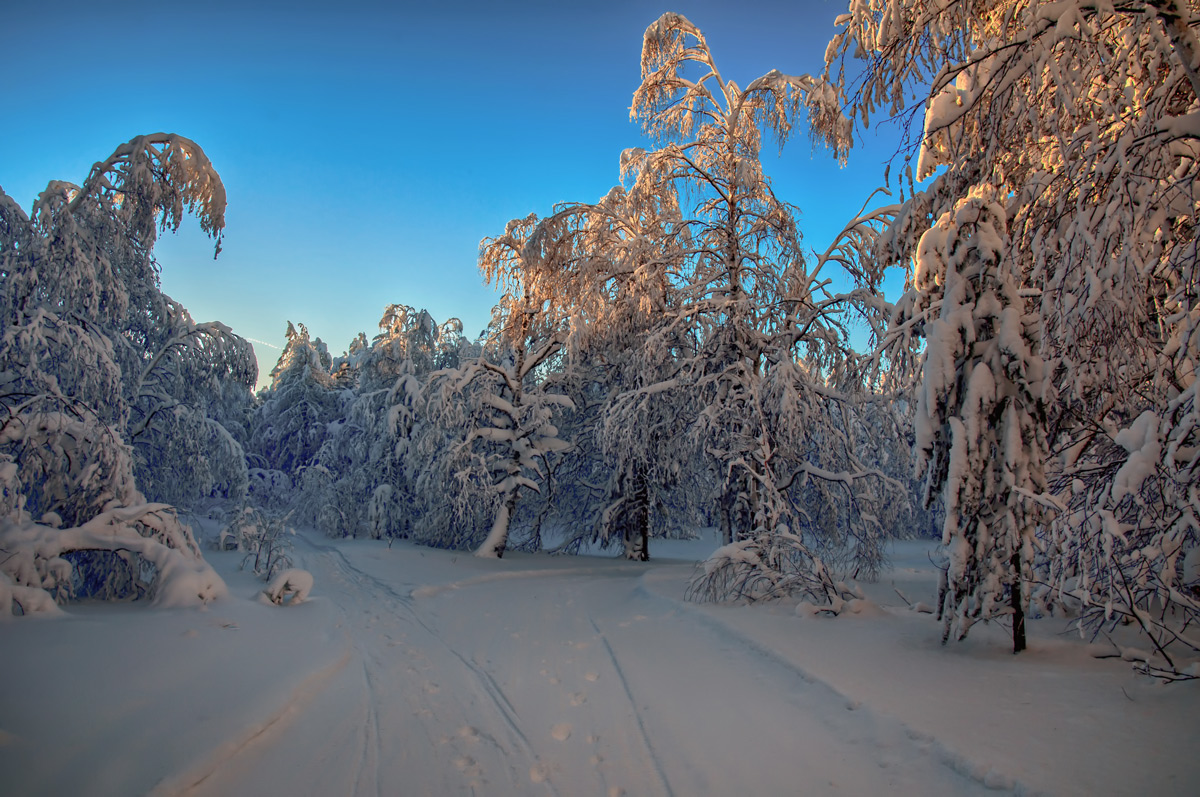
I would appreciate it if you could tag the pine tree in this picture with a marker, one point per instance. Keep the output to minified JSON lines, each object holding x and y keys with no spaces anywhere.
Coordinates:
{"x":291,"y":422}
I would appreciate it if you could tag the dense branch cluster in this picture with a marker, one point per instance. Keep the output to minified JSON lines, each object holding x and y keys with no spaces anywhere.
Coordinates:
{"x":109,"y":392}
{"x":1080,"y":120}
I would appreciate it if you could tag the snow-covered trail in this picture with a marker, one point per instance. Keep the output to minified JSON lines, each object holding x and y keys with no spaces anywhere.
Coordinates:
{"x":419,"y":672}
{"x":556,"y":676}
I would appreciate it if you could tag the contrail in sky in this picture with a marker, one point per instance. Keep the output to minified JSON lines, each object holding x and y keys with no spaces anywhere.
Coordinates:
{"x":264,"y":343}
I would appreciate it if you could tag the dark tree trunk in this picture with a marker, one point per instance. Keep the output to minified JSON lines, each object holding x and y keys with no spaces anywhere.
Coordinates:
{"x":637,"y":523}
{"x":725,"y":516}
{"x":1017,"y":605}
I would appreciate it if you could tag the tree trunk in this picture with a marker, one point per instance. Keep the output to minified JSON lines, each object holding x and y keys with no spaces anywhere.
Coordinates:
{"x":637,"y":524}
{"x":1018,"y":605}
{"x":497,"y":539}
{"x":725,"y":516}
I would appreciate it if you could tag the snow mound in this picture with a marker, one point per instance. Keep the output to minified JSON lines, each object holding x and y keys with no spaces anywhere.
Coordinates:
{"x":294,"y":584}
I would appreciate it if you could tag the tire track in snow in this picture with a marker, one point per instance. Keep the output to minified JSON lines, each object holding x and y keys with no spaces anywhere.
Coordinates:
{"x":930,"y":747}
{"x":504,"y":707}
{"x":487,"y":686}
{"x":497,"y":696}
{"x":359,"y":576}
{"x":370,"y":749}
{"x":818,"y":736}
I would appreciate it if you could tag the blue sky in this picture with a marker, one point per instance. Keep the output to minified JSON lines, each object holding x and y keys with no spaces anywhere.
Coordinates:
{"x":366,"y":148}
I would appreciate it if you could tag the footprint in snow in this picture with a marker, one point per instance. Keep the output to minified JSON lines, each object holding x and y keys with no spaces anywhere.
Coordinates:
{"x":578,"y":698}
{"x":591,"y":676}
{"x":538,"y":773}
{"x":561,"y":732}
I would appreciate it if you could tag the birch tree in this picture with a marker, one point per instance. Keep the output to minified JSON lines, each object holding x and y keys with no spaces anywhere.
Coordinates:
{"x":491,"y":423}
{"x":94,"y":358}
{"x":760,"y":333}
{"x":631,"y":457}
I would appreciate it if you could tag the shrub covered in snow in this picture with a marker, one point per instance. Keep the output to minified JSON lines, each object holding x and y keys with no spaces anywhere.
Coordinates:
{"x":153,"y":554}
{"x":290,"y":586}
{"x":263,"y":537}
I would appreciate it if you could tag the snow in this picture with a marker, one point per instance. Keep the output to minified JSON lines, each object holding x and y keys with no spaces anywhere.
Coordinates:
{"x":290,"y":586}
{"x":1186,"y":126}
{"x":1144,"y":444}
{"x":433,"y":672}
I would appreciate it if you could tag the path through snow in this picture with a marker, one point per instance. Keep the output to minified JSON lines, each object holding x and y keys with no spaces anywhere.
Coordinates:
{"x":569,"y":677}
{"x":422,"y":672}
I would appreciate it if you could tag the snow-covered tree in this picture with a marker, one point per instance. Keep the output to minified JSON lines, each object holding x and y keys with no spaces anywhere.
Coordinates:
{"x":980,"y":429}
{"x":357,"y":482}
{"x":406,"y":335}
{"x":491,"y":425}
{"x":513,"y":431}
{"x":192,"y":404}
{"x":291,"y":422}
{"x":757,"y":333}
{"x":1082,"y":119}
{"x":263,"y":537}
{"x":631,"y":455}
{"x":96,"y":364}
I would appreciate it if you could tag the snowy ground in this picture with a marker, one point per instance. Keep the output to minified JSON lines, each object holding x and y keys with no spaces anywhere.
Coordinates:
{"x":420,"y":672}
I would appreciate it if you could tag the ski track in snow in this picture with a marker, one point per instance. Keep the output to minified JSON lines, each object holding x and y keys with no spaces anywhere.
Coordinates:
{"x":421,"y":672}
{"x":578,"y":680}
{"x":641,"y":726}
{"x":193,"y":780}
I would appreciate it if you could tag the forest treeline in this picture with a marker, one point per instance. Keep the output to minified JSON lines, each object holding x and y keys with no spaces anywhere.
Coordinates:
{"x":669,"y":356}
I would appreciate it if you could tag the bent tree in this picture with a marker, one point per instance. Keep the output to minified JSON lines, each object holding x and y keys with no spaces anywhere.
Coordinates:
{"x":97,"y":366}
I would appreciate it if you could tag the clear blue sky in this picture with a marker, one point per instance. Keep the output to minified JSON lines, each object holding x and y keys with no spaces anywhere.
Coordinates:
{"x":367,"y":147}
